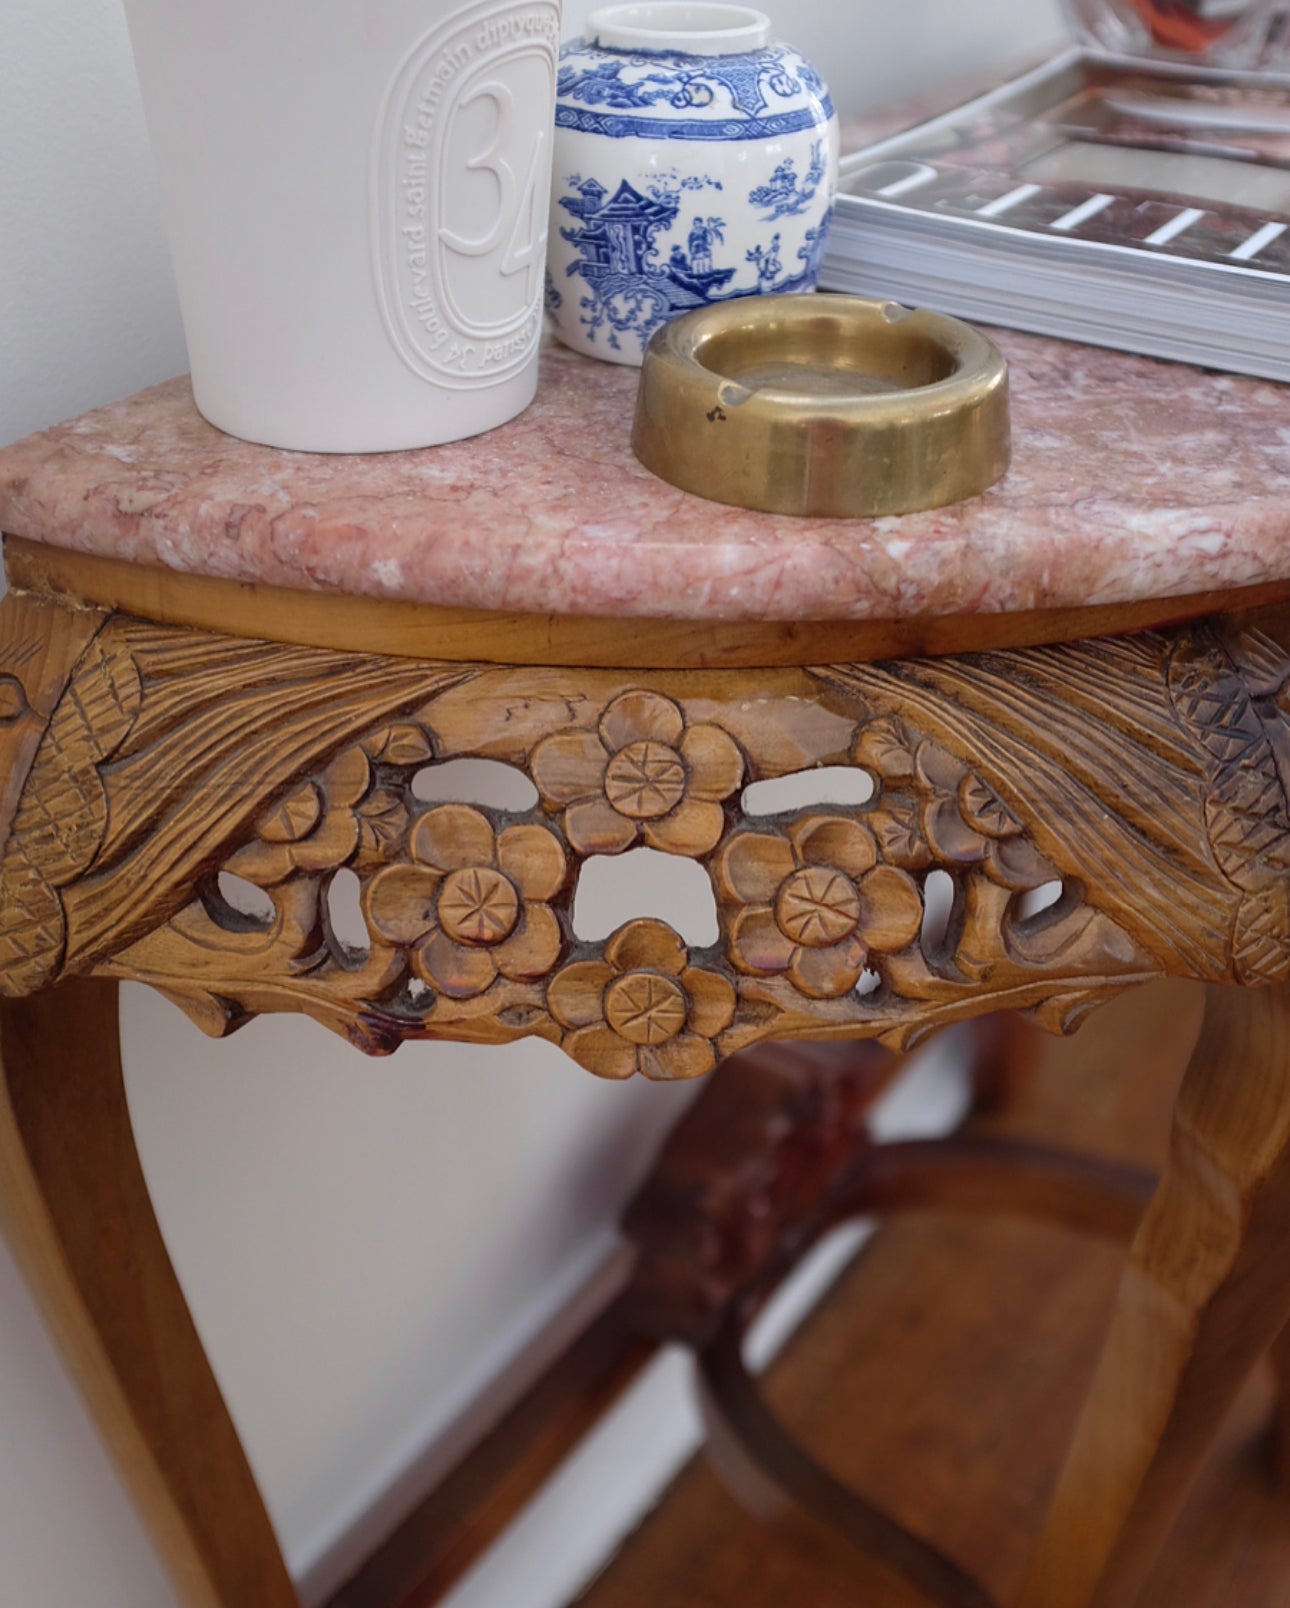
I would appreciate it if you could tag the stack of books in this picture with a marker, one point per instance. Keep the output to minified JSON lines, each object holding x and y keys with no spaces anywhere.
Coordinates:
{"x":1120,"y":201}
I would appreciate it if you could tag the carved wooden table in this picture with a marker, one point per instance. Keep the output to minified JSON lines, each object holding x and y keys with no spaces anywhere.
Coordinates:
{"x":220,"y":662}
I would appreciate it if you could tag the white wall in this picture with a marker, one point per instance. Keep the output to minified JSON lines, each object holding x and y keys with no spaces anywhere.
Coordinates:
{"x":363,"y":1243}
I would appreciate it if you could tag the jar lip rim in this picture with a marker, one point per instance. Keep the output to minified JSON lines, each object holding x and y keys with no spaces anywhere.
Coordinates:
{"x":683,"y":27}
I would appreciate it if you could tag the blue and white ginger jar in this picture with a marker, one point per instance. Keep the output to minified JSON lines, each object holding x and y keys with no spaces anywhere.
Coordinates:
{"x":695,"y":161}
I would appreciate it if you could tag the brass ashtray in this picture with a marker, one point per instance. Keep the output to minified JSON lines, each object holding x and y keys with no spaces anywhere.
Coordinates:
{"x":824,"y":405}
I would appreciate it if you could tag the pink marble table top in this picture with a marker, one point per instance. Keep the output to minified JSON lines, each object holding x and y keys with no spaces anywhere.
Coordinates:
{"x":1130,"y":479}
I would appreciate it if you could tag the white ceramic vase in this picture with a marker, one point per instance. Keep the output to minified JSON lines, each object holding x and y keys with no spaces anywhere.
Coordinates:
{"x":356,"y":195}
{"x":695,"y":161}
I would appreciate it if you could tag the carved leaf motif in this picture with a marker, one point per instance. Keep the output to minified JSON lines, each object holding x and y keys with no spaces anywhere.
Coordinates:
{"x":200,"y":731}
{"x":1247,"y":813}
{"x":64,"y":812}
{"x":295,"y":817}
{"x":62,"y":817}
{"x":1212,"y":699}
{"x":984,"y":810}
{"x":404,"y":744}
{"x":1259,"y":661}
{"x":1261,"y":941}
{"x":108,"y":697}
{"x":31,"y":933}
{"x":883,"y":745}
{"x":898,"y":827}
{"x":382,"y":823}
{"x":1247,"y":843}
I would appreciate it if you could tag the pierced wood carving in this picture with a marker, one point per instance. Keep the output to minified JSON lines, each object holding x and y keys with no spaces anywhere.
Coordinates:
{"x":153,"y":772}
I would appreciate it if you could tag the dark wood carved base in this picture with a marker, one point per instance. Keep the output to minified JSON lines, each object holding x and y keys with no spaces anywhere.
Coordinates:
{"x":187,"y":809}
{"x":774,"y":1154}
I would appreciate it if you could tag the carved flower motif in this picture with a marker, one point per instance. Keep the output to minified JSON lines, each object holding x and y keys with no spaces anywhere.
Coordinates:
{"x":641,"y":774}
{"x":815,"y":903}
{"x":643,"y":1008}
{"x":312,"y":829}
{"x":933,"y":809}
{"x":471,"y":904}
{"x":339,"y":817}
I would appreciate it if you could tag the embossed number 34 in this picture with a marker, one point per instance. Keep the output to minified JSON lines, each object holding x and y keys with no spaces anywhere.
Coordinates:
{"x":519,"y":221}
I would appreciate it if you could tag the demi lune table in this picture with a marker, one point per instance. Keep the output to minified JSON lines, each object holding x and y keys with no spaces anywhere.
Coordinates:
{"x":223,"y":668}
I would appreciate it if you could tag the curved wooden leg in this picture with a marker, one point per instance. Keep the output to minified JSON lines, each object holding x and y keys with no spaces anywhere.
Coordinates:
{"x":1206,"y":1294}
{"x":75,"y":1206}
